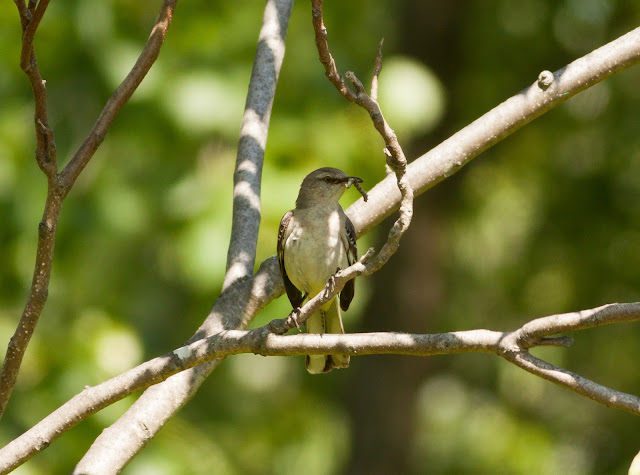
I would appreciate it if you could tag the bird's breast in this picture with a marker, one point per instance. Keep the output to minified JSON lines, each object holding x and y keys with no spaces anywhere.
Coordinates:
{"x":314,"y":249}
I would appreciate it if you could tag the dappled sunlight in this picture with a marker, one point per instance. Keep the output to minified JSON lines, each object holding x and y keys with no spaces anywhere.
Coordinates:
{"x":544,"y":221}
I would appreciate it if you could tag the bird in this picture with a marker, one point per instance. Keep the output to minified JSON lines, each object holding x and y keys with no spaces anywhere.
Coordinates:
{"x":314,"y":241}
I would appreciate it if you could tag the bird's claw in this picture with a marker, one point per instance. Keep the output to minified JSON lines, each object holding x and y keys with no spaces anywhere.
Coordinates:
{"x":295,"y":314}
{"x":331,"y":282}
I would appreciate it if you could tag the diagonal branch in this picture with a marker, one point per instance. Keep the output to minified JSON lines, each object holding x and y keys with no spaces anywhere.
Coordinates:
{"x":59,"y":185}
{"x":548,"y":91}
{"x":247,"y":178}
{"x":513,"y":346}
{"x":424,"y":173}
{"x":120,"y":97}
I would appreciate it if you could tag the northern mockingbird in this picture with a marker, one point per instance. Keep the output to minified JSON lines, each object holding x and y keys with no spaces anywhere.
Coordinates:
{"x":315,"y":240}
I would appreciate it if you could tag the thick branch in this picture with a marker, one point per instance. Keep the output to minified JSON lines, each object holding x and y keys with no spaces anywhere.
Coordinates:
{"x":253,"y":140}
{"x":243,"y":297}
{"x":548,"y":91}
{"x":423,"y":173}
{"x":471,"y":141}
{"x":513,"y":346}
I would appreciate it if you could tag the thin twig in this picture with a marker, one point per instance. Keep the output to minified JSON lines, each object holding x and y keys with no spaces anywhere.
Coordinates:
{"x":395,"y":158}
{"x":28,"y":35}
{"x":120,"y":97}
{"x":46,"y":159}
{"x":23,"y":11}
{"x":451,"y":155}
{"x":376,"y":72}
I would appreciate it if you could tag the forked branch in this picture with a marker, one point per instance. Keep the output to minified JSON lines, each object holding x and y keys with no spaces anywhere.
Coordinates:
{"x":513,"y":346}
{"x":59,"y":184}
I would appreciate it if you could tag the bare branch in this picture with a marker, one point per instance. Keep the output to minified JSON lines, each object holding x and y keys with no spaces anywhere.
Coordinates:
{"x":25,"y":14}
{"x":376,"y":72}
{"x":253,"y":140}
{"x":425,"y":172}
{"x":455,"y":152}
{"x":120,"y":97}
{"x":513,"y":346}
{"x":242,"y":297}
{"x":442,"y":162}
{"x":60,"y":184}
{"x":46,"y":159}
{"x":29,"y":32}
{"x":45,"y":141}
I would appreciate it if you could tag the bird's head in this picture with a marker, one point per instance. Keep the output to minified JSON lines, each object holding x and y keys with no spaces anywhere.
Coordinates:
{"x":324,"y":185}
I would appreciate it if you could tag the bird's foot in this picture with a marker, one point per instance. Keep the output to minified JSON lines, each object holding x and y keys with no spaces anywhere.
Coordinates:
{"x":331,"y":283}
{"x":295,"y":314}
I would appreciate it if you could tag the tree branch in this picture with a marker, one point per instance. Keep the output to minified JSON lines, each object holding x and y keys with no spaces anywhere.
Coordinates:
{"x":253,"y":140}
{"x":395,"y":159}
{"x":59,"y":185}
{"x":513,"y":346}
{"x":243,"y":296}
{"x":547,"y":92}
{"x":46,"y":159}
{"x":120,"y":97}
{"x":436,"y":165}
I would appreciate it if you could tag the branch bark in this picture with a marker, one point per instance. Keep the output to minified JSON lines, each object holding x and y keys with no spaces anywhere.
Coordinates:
{"x":513,"y":346}
{"x":547,"y":92}
{"x":59,"y":184}
{"x":396,"y":160}
{"x":46,"y":158}
{"x":119,"y":98}
{"x":243,"y":296}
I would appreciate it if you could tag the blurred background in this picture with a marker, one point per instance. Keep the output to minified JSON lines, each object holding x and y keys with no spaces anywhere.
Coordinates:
{"x":547,"y":221}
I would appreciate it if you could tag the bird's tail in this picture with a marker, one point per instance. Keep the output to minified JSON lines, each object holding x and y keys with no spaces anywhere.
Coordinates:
{"x":326,"y":321}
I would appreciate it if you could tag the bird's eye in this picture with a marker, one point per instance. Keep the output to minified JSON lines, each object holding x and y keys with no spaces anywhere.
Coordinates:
{"x":327,"y":179}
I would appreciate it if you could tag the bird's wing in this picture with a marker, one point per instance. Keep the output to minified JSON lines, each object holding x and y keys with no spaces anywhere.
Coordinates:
{"x":295,"y":295}
{"x":352,"y":256}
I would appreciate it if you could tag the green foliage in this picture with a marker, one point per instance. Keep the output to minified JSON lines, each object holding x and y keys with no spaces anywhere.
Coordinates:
{"x":546,"y":222}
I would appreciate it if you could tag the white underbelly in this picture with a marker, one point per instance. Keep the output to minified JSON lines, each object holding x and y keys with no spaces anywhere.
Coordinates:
{"x":310,"y":261}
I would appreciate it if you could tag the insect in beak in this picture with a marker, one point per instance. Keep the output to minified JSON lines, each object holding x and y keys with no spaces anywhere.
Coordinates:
{"x":355,"y":181}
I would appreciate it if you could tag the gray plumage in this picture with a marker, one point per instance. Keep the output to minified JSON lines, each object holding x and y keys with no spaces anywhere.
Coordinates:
{"x":314,"y":240}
